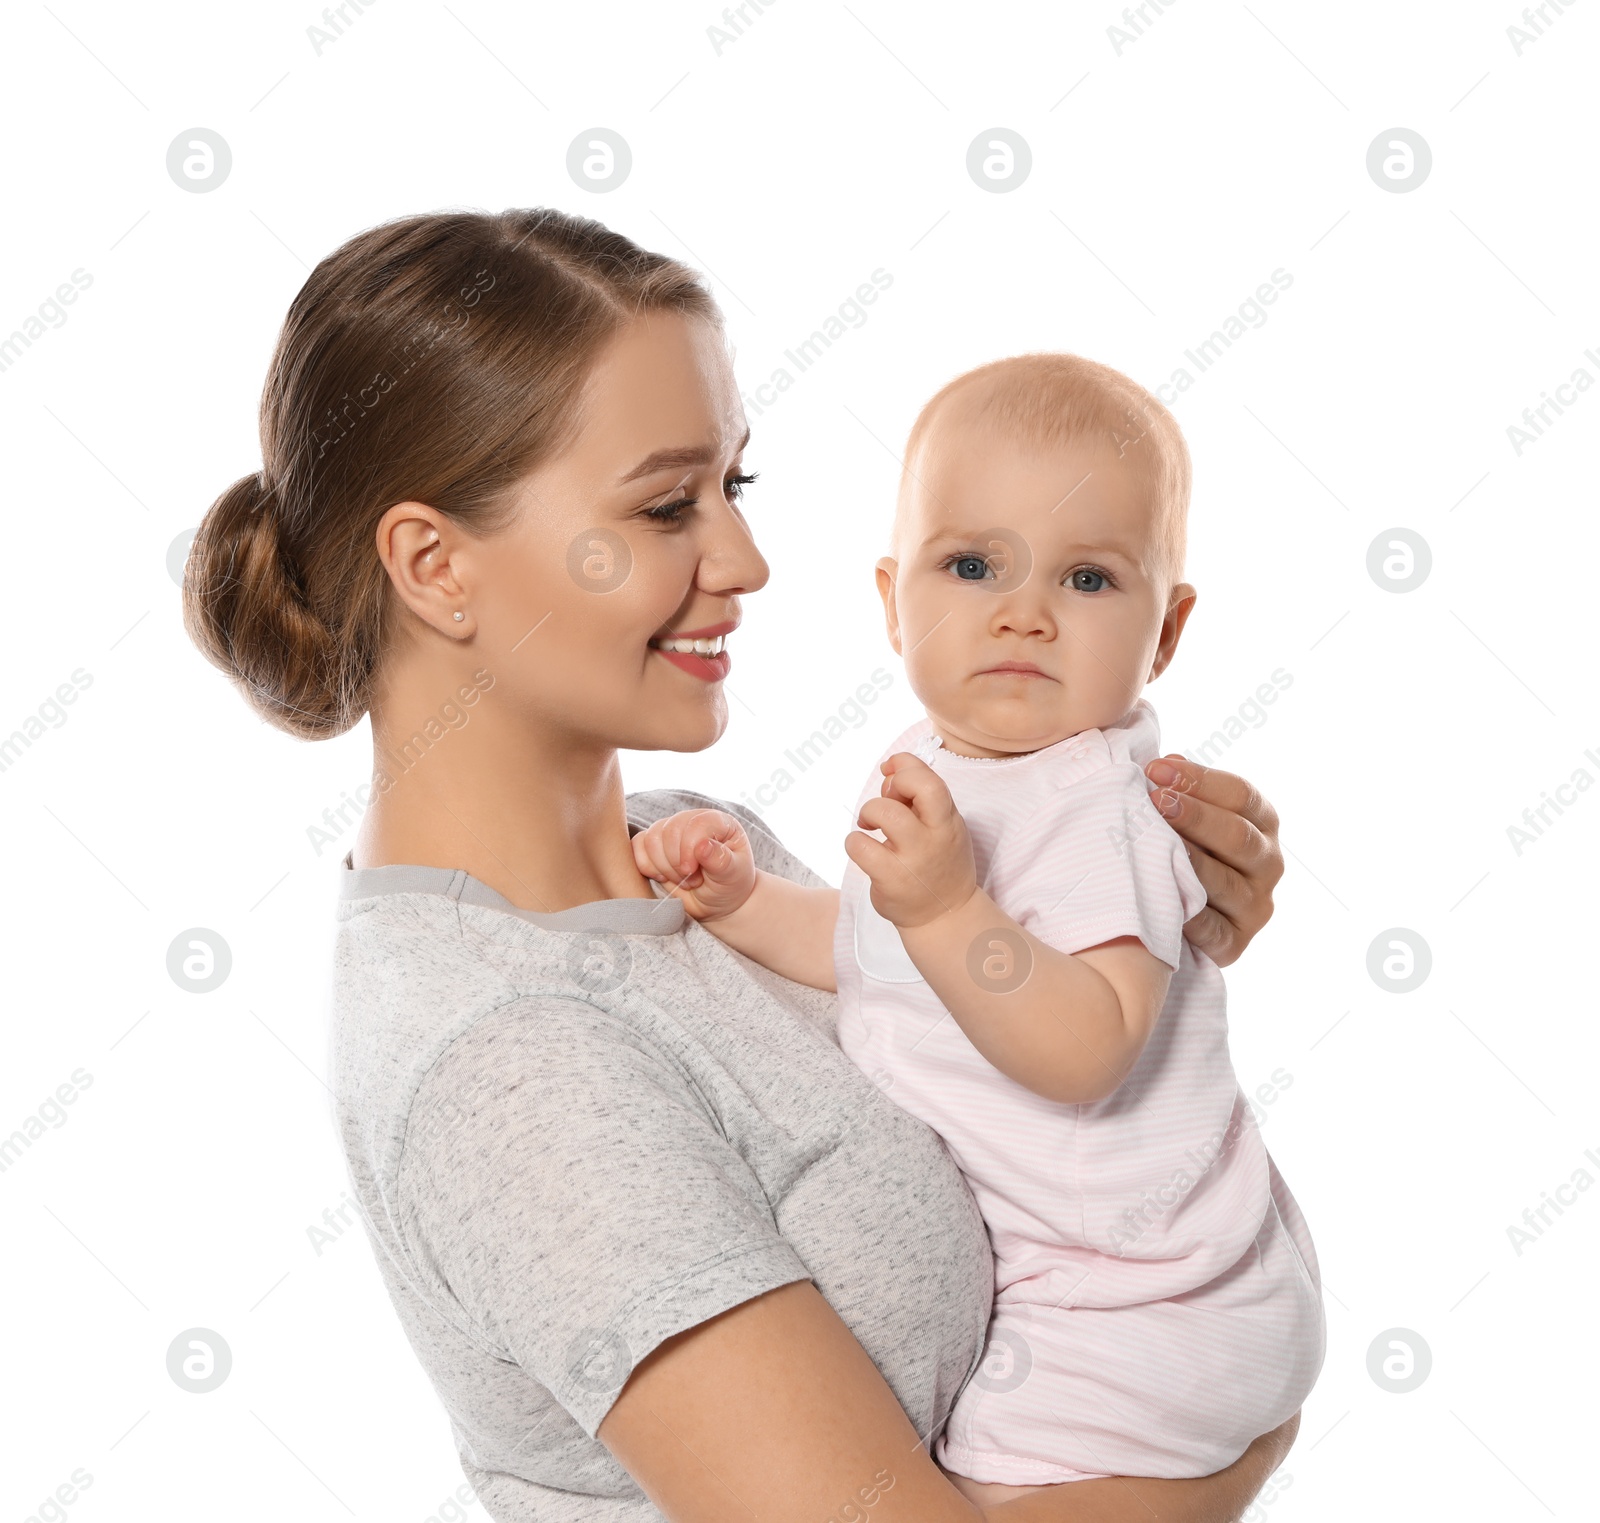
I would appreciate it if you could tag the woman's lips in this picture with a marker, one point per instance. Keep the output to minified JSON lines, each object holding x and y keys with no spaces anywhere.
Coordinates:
{"x":708,"y":666}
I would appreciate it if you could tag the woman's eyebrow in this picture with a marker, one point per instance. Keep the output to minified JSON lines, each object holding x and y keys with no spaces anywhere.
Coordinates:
{"x":682,"y":455}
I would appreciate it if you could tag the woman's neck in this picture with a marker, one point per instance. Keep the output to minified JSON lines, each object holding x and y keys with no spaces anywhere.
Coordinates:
{"x":539,"y":818}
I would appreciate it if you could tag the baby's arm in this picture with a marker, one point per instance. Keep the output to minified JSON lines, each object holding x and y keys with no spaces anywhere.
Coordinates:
{"x":1067,"y":1026}
{"x":704,"y":856}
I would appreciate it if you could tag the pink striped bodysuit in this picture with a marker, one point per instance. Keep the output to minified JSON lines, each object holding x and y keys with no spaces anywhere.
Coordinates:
{"x":1157,"y":1296}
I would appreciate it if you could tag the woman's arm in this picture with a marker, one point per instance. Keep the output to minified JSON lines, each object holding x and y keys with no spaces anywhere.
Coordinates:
{"x":1219,"y":1498}
{"x":772,"y":1409}
{"x":1232,"y":836}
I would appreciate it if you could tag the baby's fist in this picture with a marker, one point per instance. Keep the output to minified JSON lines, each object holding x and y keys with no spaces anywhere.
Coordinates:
{"x":704,"y":856}
{"x":923,"y":867}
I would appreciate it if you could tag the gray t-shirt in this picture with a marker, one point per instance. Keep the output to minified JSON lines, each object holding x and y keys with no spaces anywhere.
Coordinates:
{"x":573,"y":1135}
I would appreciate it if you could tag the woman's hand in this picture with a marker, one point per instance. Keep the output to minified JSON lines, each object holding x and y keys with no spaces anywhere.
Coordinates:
{"x":1232,"y":836}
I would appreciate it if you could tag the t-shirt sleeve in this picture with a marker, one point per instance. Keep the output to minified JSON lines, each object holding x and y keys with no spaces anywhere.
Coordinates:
{"x":1106,"y":864}
{"x":568,"y":1184}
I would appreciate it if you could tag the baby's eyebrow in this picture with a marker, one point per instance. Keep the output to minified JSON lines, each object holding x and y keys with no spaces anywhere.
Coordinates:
{"x":1104,"y":549}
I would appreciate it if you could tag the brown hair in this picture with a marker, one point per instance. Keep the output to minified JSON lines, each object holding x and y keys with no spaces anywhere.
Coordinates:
{"x":1047,"y":399}
{"x":436,"y":358}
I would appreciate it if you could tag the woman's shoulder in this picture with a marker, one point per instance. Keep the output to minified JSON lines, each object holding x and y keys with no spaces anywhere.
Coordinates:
{"x":771,"y":854}
{"x":409,"y":975}
{"x":415,"y":974}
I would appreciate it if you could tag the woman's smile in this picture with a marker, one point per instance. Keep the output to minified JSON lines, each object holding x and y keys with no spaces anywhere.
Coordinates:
{"x":698,"y":651}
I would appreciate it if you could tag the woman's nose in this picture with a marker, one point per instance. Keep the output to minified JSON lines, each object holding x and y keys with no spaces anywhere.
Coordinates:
{"x":732,"y":564}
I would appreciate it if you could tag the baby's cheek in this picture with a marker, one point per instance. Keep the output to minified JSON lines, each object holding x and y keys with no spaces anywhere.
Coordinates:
{"x":931,"y":674}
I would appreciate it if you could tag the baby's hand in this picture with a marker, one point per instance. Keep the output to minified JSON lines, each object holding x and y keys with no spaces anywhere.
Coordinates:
{"x":925,"y":866}
{"x":704,"y":856}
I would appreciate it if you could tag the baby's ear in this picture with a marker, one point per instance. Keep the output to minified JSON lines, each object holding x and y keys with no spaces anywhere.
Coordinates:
{"x":1180,"y":604}
{"x":887,"y":570}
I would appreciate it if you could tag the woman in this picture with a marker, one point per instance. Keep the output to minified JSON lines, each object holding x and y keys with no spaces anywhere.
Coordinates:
{"x":661,"y":1248}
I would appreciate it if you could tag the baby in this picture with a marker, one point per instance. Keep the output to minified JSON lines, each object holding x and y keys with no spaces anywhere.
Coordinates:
{"x":1009,"y":955}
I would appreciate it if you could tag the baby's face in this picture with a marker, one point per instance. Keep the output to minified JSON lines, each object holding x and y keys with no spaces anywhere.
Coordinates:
{"x":1030,"y":599}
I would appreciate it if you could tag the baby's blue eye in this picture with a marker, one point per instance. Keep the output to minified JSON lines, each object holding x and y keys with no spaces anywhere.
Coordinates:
{"x":970,"y":568}
{"x":1086,"y":580}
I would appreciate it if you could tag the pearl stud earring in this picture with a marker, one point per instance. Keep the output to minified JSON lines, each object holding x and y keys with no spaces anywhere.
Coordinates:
{"x":459,"y":616}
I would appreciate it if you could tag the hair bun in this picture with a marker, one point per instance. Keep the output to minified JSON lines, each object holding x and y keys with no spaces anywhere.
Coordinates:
{"x":245,"y":606}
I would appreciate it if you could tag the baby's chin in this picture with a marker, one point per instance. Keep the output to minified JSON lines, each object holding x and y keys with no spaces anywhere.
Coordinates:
{"x":1011,"y":729}
{"x":980,"y":735}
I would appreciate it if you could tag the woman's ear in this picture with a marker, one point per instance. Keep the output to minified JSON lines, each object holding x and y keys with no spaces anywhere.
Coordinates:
{"x":423,"y":551}
{"x":1180,"y":604}
{"x":887,"y":569}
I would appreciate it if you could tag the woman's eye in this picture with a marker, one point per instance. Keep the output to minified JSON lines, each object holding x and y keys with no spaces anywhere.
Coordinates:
{"x":673,"y":512}
{"x":1086,"y":580}
{"x":970,"y":568}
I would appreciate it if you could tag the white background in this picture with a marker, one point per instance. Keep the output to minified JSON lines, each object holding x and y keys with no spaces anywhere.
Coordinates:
{"x":1169,"y":180}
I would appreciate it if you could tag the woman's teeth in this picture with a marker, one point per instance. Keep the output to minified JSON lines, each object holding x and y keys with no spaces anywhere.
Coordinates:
{"x":712,"y":647}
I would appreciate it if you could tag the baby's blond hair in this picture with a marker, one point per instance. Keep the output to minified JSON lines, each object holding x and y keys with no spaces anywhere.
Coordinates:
{"x":1048,"y":399}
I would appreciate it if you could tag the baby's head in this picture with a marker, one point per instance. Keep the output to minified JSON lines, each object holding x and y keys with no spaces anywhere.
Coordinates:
{"x":1034,"y":584}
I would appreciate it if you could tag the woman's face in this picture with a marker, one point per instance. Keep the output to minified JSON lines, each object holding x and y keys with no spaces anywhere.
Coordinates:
{"x":628,"y":543}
